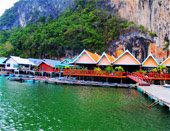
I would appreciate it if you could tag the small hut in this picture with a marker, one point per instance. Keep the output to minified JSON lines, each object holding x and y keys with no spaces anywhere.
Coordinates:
{"x":105,"y":60}
{"x":87,"y":59}
{"x":166,"y":62}
{"x":48,"y":65}
{"x":150,"y":62}
{"x":127,"y":61}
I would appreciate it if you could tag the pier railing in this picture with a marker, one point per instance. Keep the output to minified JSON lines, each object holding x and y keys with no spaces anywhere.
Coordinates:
{"x":94,"y":73}
{"x":161,"y":76}
{"x":145,"y":76}
{"x":140,"y":78}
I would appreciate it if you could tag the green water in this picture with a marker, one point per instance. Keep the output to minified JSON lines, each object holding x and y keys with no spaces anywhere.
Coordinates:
{"x":26,"y":106}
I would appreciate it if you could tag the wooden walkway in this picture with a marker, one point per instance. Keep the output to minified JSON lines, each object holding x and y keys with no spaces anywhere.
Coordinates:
{"x":158,"y":93}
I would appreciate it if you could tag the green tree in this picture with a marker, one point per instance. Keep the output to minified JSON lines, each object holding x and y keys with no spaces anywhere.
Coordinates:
{"x":87,"y":25}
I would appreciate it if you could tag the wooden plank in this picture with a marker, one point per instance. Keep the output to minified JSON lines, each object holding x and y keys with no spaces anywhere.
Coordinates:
{"x":158,"y":93}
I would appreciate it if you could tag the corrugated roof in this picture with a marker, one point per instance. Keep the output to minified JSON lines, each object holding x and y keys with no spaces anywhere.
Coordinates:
{"x":69,"y":60}
{"x":50,"y":62}
{"x":21,"y":60}
{"x":35,"y":61}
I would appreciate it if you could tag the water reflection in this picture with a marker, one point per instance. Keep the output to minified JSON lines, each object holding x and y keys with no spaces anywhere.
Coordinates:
{"x":25,"y":106}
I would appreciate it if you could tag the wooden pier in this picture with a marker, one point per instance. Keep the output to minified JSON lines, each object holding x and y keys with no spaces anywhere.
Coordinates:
{"x":158,"y":93}
{"x":70,"y":81}
{"x":144,"y":79}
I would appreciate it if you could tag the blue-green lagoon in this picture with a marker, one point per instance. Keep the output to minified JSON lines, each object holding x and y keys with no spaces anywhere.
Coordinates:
{"x":28,"y":106}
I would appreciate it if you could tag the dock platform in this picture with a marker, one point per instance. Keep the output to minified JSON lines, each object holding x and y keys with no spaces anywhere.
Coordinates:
{"x":159,"y":93}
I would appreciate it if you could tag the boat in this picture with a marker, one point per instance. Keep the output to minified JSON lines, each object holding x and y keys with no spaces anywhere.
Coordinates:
{"x":28,"y":80}
{"x":167,"y":85}
{"x":16,"y":79}
{"x":3,"y":75}
{"x":11,"y":75}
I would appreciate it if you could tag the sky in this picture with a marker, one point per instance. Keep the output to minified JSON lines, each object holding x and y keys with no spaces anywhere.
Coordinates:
{"x":6,"y":4}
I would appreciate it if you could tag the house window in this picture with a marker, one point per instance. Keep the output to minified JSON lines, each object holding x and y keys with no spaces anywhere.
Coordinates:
{"x":49,"y":68}
{"x":26,"y":66}
{"x":43,"y":68}
{"x":16,"y":66}
{"x":8,"y":65}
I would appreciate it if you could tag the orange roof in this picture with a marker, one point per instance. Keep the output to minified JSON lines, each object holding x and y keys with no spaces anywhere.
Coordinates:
{"x":111,"y":58}
{"x":98,"y":55}
{"x":166,"y":62}
{"x":126,"y":59}
{"x":95,"y":57}
{"x":150,"y":61}
{"x":105,"y":59}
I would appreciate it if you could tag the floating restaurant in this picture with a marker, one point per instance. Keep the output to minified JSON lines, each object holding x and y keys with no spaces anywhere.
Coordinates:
{"x":90,"y":61}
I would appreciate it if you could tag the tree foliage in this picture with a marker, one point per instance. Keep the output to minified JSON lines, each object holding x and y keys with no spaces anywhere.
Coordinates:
{"x":119,"y":68}
{"x":109,"y":69}
{"x":87,"y":26}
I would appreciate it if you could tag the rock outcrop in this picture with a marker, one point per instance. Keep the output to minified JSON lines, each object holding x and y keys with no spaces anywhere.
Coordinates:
{"x":26,"y":11}
{"x":153,"y":14}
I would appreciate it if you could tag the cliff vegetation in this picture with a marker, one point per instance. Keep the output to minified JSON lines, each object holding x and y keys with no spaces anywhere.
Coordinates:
{"x":87,"y":25}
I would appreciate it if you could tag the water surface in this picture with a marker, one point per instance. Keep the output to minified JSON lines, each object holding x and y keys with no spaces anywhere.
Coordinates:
{"x":26,"y":106}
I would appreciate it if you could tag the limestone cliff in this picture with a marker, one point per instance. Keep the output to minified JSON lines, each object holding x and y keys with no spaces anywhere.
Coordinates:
{"x":26,"y":11}
{"x":153,"y":14}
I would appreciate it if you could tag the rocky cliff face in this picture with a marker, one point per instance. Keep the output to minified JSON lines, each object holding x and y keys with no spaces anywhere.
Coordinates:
{"x":153,"y":14}
{"x":26,"y":11}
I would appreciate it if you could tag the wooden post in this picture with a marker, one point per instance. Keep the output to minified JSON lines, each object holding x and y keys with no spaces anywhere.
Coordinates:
{"x":121,"y":77}
{"x":75,"y":65}
{"x":140,"y":68}
{"x":106,"y":79}
{"x":160,"y":77}
{"x":165,"y":79}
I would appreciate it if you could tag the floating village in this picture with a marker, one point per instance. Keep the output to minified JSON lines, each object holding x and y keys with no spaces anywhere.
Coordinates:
{"x":92,"y":69}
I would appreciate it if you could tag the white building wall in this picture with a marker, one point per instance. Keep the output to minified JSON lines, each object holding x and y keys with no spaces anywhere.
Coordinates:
{"x":12,"y":63}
